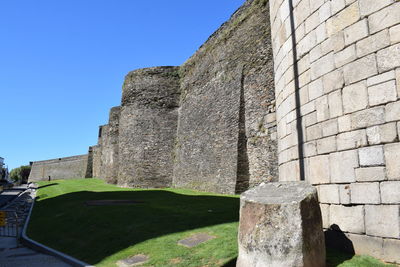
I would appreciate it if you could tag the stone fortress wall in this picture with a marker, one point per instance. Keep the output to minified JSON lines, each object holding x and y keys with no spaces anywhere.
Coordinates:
{"x":343,"y":108}
{"x":61,"y":168}
{"x":207,"y":125}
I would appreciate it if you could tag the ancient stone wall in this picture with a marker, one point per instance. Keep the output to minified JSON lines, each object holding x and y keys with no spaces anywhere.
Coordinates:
{"x":226,"y":138}
{"x":61,"y":168}
{"x":147,"y":127}
{"x":341,"y":103}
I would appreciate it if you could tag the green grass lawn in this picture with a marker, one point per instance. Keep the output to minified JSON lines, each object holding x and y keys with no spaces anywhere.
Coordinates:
{"x":102,"y":235}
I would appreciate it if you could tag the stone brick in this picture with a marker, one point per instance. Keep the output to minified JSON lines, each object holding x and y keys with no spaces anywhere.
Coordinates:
{"x":344,"y":194}
{"x":312,"y":22}
{"x":310,"y":119}
{"x":319,"y":170}
{"x":371,"y":156}
{"x":321,"y":32}
{"x":391,"y":248}
{"x":382,"y":93}
{"x":349,"y":219}
{"x":334,"y":43}
{"x":353,"y":139}
{"x":385,"y":133}
{"x":365,"y":193}
{"x":390,"y":75}
{"x":388,"y":58}
{"x":392,"y":111}
{"x":329,"y":127}
{"x":368,"y":7}
{"x":315,"y":89}
{"x":313,"y":132}
{"x":355,"y":97}
{"x":315,"y":53}
{"x":382,"y":220}
{"x":333,"y":80}
{"x":307,"y":43}
{"x":344,"y":18}
{"x":322,"y":107}
{"x":373,"y":43}
{"x":368,"y":117}
{"x":370,"y":174}
{"x":268,"y":213}
{"x":324,"y":12}
{"x":392,"y":158}
{"x":342,"y":165}
{"x":394,"y":34}
{"x":328,"y":194}
{"x":345,"y":56}
{"x":337,"y":5}
{"x":367,"y":245}
{"x":390,"y":192}
{"x":326,"y":145}
{"x":344,"y":123}
{"x":360,"y":69}
{"x":310,"y":149}
{"x":335,"y":104}
{"x":322,"y":66}
{"x":356,"y":32}
{"x":325,"y":215}
{"x":398,"y":82}
{"x":384,"y":18}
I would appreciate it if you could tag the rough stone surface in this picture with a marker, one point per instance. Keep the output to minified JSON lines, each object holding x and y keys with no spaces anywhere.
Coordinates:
{"x":147,"y":127}
{"x":371,"y":156}
{"x":392,"y":158}
{"x":367,"y":245}
{"x":280,"y":225}
{"x":349,"y":219}
{"x":61,"y":168}
{"x":385,"y":133}
{"x":391,"y":249}
{"x":342,"y":165}
{"x":360,"y":69}
{"x":370,"y":174}
{"x":355,"y":97}
{"x":382,"y":220}
{"x":390,"y":192}
{"x":365,"y":193}
{"x":382,"y":93}
{"x":224,"y":143}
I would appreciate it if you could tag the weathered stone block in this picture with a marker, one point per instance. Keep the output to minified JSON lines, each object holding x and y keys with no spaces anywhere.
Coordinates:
{"x":384,"y":18}
{"x":333,"y":80}
{"x":343,"y":19}
{"x":315,"y":89}
{"x":390,"y":192}
{"x":362,"y":68}
{"x":365,"y":193}
{"x":344,"y":123}
{"x":392,"y":158}
{"x":371,"y":156}
{"x":398,"y":82}
{"x":335,"y":104}
{"x":337,"y":5}
{"x":368,"y":7}
{"x":370,"y":174}
{"x":368,"y":117}
{"x":382,"y":220}
{"x":322,"y":108}
{"x":326,"y":145}
{"x":325,"y":215}
{"x":355,"y":97}
{"x":322,"y":66}
{"x":391,"y":248}
{"x":280,"y":225}
{"x":382,"y":93}
{"x":345,"y":56}
{"x":385,"y":133}
{"x":392,"y":111}
{"x":328,"y":194}
{"x":342,"y":165}
{"x":330,"y":127}
{"x":394,"y":34}
{"x":356,"y":32}
{"x":349,"y":219}
{"x":386,"y":76}
{"x":319,"y":170}
{"x":367,"y":245}
{"x":353,"y":139}
{"x":373,"y":43}
{"x":344,"y":194}
{"x":389,"y":58}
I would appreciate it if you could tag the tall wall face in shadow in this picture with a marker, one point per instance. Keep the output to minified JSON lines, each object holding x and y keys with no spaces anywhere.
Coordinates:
{"x":226,"y":133}
{"x":147,"y":127}
{"x":62,"y":168}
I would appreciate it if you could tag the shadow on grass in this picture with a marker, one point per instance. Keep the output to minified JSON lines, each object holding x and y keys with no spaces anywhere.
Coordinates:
{"x":92,"y":233}
{"x":47,"y":185}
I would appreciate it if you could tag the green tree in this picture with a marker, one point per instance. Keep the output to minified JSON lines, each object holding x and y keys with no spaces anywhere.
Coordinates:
{"x":20,"y":174}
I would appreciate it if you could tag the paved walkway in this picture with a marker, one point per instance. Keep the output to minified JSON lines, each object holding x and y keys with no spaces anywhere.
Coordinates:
{"x":13,"y":254}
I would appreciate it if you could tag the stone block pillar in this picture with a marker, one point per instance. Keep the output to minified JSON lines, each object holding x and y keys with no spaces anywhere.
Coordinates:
{"x":281,"y":225}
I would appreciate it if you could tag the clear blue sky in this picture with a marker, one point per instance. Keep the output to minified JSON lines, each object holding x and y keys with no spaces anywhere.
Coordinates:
{"x":63,"y":63}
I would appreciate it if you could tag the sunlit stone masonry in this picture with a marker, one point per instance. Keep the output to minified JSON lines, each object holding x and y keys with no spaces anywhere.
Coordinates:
{"x":348,"y":97}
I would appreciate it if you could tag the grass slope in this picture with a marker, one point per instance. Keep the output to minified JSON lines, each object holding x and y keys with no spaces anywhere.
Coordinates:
{"x":102,"y":235}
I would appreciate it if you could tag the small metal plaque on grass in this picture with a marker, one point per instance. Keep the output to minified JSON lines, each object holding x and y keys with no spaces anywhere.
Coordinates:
{"x":195,"y":239}
{"x":133,"y":261}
